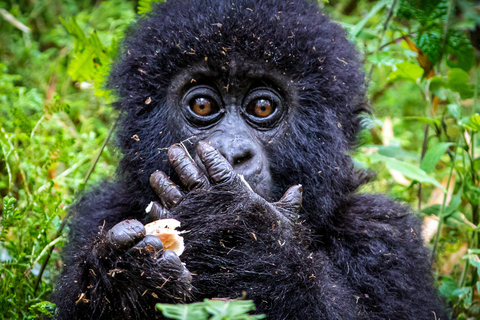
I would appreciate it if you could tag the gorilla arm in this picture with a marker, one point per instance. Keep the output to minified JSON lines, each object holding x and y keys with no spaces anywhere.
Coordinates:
{"x":119,"y":274}
{"x":377,"y":244}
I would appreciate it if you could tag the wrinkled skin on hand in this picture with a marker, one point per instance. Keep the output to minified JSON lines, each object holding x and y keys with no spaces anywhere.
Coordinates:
{"x":218,"y":172}
{"x":130,"y":235}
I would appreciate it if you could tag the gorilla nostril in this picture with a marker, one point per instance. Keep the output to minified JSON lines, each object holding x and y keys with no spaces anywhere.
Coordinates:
{"x":244,"y":157}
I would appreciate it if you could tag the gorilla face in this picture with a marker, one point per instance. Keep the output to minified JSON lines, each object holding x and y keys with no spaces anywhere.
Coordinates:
{"x":277,"y":95}
{"x":238,"y":117}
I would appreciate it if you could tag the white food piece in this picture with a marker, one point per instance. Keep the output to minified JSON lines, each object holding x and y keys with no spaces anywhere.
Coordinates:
{"x":149,"y":207}
{"x":164,"y":229}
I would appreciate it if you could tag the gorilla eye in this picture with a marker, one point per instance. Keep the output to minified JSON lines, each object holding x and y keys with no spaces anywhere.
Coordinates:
{"x":203,"y":106}
{"x":263,"y":107}
{"x":260,"y":108}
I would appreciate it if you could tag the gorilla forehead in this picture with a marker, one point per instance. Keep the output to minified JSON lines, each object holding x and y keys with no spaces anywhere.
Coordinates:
{"x":293,"y":38}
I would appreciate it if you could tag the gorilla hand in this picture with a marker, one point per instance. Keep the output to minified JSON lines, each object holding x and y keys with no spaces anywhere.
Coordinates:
{"x":129,"y":235}
{"x":127,"y":272}
{"x":218,"y":174}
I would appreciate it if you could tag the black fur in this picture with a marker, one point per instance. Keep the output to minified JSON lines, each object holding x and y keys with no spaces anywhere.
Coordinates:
{"x":353,"y":256}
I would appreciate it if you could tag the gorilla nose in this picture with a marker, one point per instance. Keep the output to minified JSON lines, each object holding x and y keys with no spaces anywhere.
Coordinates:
{"x":240,"y":158}
{"x":237,"y":150}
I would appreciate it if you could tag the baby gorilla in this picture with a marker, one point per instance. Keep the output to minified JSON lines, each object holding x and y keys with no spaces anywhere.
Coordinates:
{"x":265,"y":95}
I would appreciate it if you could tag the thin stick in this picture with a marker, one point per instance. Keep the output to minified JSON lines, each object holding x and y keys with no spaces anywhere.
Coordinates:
{"x":385,"y":26}
{"x":17,"y":24}
{"x":95,"y":160}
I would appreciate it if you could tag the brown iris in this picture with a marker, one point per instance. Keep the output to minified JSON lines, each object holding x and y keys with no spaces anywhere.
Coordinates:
{"x":260,"y":108}
{"x":203,"y":106}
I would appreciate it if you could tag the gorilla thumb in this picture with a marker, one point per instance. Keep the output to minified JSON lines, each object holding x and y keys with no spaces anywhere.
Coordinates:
{"x":291,"y":202}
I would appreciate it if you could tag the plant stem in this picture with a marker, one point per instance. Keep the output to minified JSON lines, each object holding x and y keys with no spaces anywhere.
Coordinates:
{"x":424,"y":150}
{"x":442,"y":210}
{"x":475,"y":215}
{"x":95,"y":160}
{"x":385,"y":26}
{"x":446,"y":26}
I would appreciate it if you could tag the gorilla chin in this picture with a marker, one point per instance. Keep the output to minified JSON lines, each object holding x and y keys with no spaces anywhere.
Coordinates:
{"x":263,"y":91}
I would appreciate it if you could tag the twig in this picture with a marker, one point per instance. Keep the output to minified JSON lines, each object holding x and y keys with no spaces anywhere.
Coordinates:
{"x":95,"y":160}
{"x":385,"y":26}
{"x":445,"y":31}
{"x":51,"y":244}
{"x":424,"y":150}
{"x":17,"y":24}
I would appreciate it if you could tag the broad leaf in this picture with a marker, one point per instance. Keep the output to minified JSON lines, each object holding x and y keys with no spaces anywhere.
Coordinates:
{"x":425,"y":120}
{"x":407,"y":169}
{"x":472,"y":122}
{"x":458,"y":82}
{"x":193,"y":311}
{"x":406,"y":71}
{"x":460,"y":50}
{"x":455,"y":111}
{"x":430,"y":43}
{"x":433,"y":155}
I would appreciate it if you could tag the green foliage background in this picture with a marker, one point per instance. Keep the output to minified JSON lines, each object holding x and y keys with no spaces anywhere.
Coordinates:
{"x":422,"y":139}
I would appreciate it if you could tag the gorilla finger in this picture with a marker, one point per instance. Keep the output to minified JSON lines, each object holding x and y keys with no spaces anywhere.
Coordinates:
{"x":156,"y":211}
{"x":291,"y":200}
{"x":168,"y":191}
{"x":218,"y":168}
{"x":171,"y":261}
{"x":190,"y":175}
{"x":150,"y":242}
{"x":126,"y":233}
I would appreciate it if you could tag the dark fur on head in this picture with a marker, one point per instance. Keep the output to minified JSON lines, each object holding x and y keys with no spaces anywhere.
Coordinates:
{"x":293,"y":38}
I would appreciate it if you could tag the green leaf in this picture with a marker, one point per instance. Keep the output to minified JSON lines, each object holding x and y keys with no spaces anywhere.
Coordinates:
{"x":455,"y":111}
{"x":406,"y":10}
{"x":407,"y":169}
{"x":45,"y":307}
{"x":434,"y":9}
{"x":458,"y":82}
{"x":211,"y":309}
{"x":237,"y":309}
{"x":432,"y":210}
{"x":81,"y":67}
{"x":359,"y":26}
{"x":424,"y":120}
{"x":406,"y":71}
{"x":474,"y":259}
{"x":448,"y":287}
{"x":465,"y":294}
{"x":430,"y":42}
{"x":397,"y":152}
{"x":460,"y":50}
{"x":471,"y":123}
{"x":433,"y":155}
{"x":453,"y":205}
{"x":10,"y":215}
{"x":145,"y":6}
{"x":193,"y":311}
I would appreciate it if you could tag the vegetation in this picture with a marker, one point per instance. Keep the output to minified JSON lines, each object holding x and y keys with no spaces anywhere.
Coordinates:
{"x":422,"y":138}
